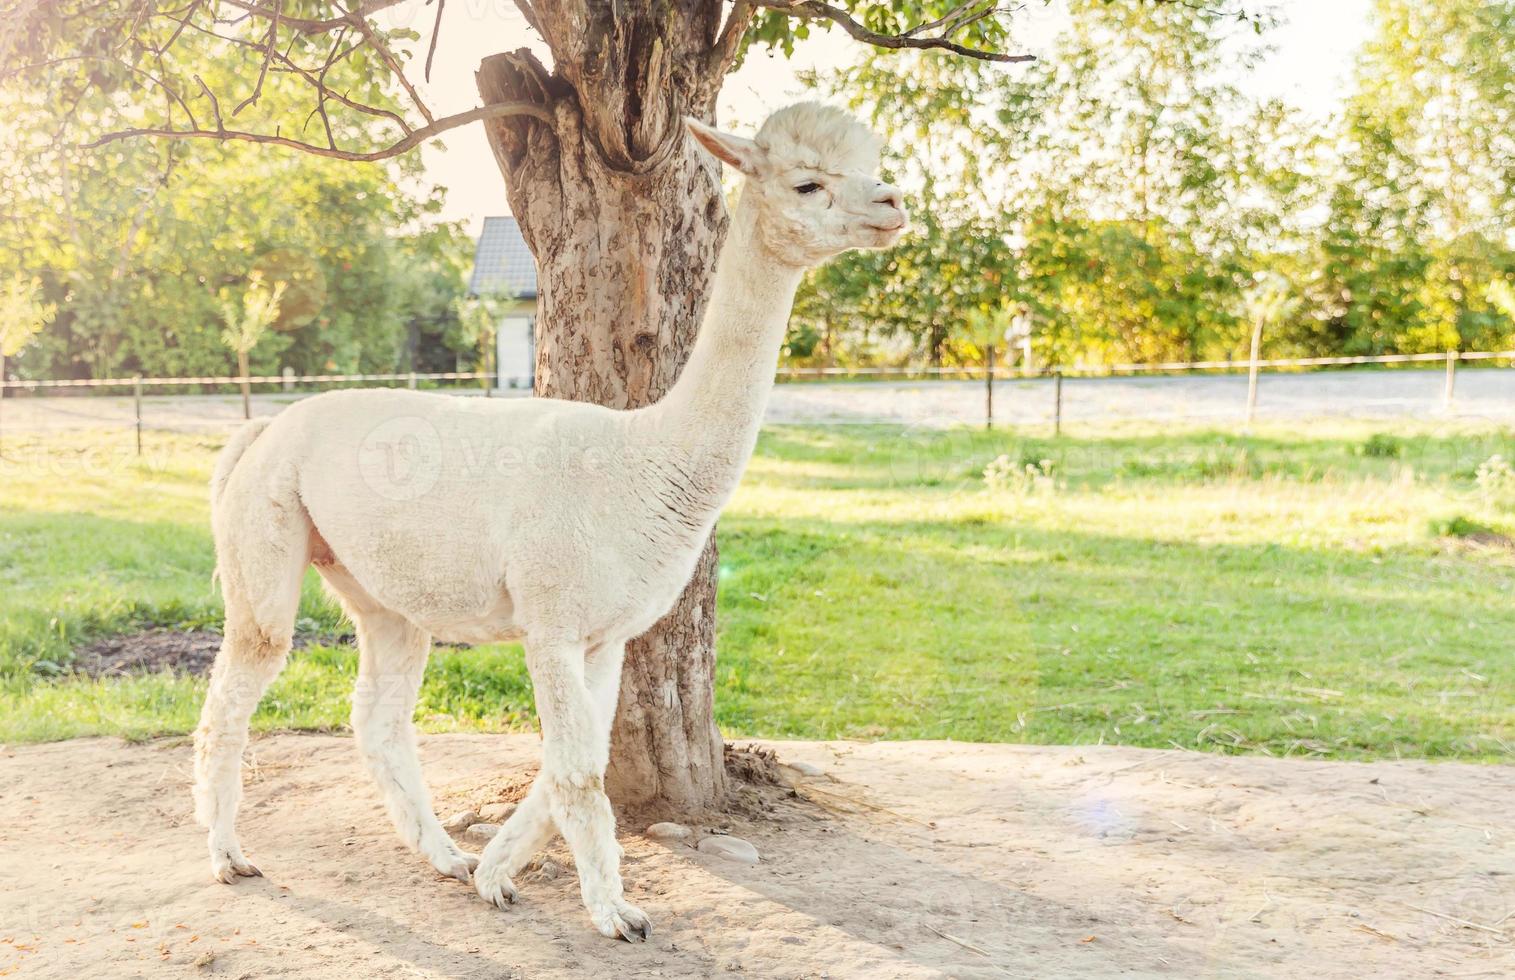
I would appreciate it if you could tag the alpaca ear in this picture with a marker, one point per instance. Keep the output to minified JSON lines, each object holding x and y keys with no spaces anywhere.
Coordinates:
{"x":743,"y":154}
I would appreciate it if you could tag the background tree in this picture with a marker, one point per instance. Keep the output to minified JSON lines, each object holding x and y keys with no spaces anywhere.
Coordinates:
{"x":942,"y":115}
{"x":246,"y":323}
{"x":1267,"y":302}
{"x":23,"y":314}
{"x":1421,"y":213}
{"x":1501,"y":294}
{"x":1124,"y":187}
{"x":134,"y":242}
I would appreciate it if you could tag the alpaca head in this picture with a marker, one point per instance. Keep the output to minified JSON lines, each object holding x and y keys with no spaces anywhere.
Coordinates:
{"x":811,"y":182}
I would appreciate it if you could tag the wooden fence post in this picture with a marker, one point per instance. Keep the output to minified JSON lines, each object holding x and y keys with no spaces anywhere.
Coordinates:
{"x":1057,"y":403}
{"x":1252,"y":372}
{"x":244,"y":368}
{"x":1446,"y":395}
{"x":989,"y":388}
{"x":137,"y":404}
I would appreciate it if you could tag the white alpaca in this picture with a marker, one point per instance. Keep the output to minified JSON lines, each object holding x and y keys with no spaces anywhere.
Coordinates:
{"x":569,"y":526}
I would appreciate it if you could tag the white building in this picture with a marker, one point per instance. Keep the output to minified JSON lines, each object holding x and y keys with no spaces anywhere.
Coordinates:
{"x":504,"y":266}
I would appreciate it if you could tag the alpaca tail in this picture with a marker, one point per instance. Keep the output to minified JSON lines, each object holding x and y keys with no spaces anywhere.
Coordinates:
{"x":231,"y":453}
{"x":226,"y":462}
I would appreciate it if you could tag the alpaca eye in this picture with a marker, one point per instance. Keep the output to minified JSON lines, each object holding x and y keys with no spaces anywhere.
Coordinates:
{"x":810,"y":187}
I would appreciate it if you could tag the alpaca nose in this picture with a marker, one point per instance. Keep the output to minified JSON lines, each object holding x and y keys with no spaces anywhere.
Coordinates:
{"x":886,"y":194}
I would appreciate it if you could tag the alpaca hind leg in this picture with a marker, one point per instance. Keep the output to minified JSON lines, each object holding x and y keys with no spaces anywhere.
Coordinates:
{"x":530,"y":828}
{"x":391,"y":661}
{"x":260,"y":615}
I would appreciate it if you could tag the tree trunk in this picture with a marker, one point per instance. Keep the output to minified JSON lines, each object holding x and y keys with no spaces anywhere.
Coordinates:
{"x":625,"y":220}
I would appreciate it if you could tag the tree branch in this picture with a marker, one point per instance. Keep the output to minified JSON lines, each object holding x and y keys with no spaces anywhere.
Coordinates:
{"x":723,"y":52}
{"x":308,"y":26}
{"x":268,"y":57}
{"x":410,"y":141}
{"x":529,"y":13}
{"x":390,"y":62}
{"x":436,"y":32}
{"x":913,"y":38}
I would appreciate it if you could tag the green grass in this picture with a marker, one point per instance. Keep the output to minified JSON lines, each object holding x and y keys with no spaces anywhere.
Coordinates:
{"x":1335,"y":590}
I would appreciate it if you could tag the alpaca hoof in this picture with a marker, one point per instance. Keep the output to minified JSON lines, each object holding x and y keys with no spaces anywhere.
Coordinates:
{"x":226,"y":868}
{"x":495,"y":886}
{"x":458,"y":864}
{"x":449,"y":860}
{"x":621,"y":920}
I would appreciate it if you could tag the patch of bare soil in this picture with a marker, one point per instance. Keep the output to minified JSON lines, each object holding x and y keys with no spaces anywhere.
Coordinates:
{"x":149,"y":651}
{"x":924,"y":859}
{"x":1491,"y":540}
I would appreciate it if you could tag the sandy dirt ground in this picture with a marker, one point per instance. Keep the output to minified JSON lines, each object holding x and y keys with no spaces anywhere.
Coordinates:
{"x":898,"y":860}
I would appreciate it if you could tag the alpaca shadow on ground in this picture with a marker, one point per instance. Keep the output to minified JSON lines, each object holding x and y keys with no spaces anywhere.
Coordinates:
{"x":836,"y":874}
{"x":984,"y":860}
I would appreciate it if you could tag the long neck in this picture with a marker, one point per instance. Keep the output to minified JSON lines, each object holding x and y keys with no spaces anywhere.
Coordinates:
{"x":710,"y":419}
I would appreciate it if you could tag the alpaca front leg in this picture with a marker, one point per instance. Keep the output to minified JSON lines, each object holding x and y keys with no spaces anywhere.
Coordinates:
{"x":575,"y":749}
{"x":392,"y":656}
{"x":530,"y":828}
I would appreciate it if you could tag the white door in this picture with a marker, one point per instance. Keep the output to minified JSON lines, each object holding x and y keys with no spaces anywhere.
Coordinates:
{"x":515,"y":352}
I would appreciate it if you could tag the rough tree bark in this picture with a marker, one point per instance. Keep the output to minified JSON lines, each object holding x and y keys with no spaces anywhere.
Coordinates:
{"x":625,"y":221}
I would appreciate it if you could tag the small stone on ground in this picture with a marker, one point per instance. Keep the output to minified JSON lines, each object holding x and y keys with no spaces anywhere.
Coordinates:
{"x":731,"y":848}
{"x":496,"y":812}
{"x":459,"y":822}
{"x":667,"y":831}
{"x":483,"y":831}
{"x":805,"y":768}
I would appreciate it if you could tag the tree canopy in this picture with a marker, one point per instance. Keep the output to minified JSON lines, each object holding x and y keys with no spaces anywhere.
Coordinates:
{"x":1129,"y":192}
{"x":1124,"y":188}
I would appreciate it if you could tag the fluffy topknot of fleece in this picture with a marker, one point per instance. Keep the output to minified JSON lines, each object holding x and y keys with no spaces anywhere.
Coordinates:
{"x":809,"y":134}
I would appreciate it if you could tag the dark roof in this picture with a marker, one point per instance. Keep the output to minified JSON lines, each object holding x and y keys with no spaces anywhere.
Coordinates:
{"x":502,"y":263}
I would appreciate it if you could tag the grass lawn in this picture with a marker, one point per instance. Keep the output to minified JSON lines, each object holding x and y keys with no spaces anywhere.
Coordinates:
{"x":1336,"y":589}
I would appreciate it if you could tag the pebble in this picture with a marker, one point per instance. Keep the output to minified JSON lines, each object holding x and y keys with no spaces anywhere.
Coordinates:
{"x":483,"y":831}
{"x":667,"y":831}
{"x":496,"y":812}
{"x":731,"y":848}
{"x":460,"y":821}
{"x":805,"y":768}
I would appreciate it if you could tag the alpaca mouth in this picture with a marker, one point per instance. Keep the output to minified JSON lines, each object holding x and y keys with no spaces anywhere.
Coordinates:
{"x":888,"y":228}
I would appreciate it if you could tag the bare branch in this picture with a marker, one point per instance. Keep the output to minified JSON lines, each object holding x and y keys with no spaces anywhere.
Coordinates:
{"x":410,"y":141}
{"x":317,"y":81}
{"x":961,"y":17}
{"x":268,"y":56}
{"x":308,"y":26}
{"x":315,"y":77}
{"x":913,"y":38}
{"x":436,"y":32}
{"x":529,"y":12}
{"x":146,"y":76}
{"x":390,"y":62}
{"x":215,"y":105}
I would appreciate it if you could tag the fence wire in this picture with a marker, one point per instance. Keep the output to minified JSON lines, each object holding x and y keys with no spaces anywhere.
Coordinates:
{"x":1179,"y":391}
